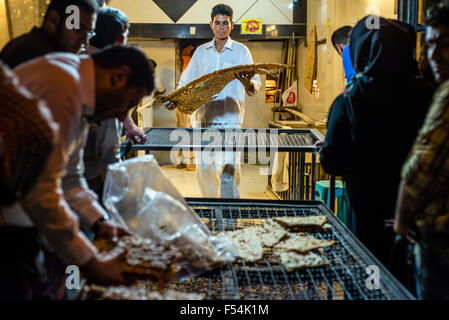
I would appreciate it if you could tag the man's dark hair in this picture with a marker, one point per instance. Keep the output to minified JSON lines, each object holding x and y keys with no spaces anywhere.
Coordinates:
{"x":111,"y":25}
{"x":221,"y":9}
{"x":341,"y":36}
{"x":438,"y":15}
{"x":117,"y":56}
{"x":152,"y":63}
{"x":60,"y":6}
{"x":102,"y":2}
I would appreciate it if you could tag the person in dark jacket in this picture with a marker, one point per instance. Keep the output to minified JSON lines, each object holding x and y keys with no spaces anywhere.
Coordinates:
{"x":373,"y":124}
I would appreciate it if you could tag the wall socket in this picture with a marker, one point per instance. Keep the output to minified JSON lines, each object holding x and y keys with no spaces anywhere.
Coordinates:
{"x":192,"y":31}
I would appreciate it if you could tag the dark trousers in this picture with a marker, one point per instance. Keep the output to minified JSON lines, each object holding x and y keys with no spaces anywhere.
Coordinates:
{"x":435,"y":265}
{"x":22,"y":271}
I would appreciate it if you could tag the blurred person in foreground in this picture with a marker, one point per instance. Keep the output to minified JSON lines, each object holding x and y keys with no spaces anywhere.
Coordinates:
{"x":423,"y":199}
{"x":28,"y":134}
{"x":78,"y":90}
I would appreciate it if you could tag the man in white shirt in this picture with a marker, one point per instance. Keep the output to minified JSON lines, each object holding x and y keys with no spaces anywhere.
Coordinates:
{"x":78,"y":90}
{"x":219,"y":176}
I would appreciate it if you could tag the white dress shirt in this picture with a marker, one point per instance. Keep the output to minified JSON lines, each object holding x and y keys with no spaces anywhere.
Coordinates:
{"x":228,"y":107}
{"x":67,"y":83}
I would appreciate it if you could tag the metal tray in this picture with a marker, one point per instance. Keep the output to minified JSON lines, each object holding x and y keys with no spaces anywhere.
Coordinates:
{"x":344,"y":279}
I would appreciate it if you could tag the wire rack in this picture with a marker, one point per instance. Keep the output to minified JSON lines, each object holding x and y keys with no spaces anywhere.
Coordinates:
{"x":344,"y":279}
{"x":283,"y":140}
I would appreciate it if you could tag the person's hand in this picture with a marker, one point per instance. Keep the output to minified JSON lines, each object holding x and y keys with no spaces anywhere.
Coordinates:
{"x":400,"y":228}
{"x":136,"y":134}
{"x":170,"y":105}
{"x":319,"y":143}
{"x":105,"y":270}
{"x":111,"y":231}
{"x":245,"y":79}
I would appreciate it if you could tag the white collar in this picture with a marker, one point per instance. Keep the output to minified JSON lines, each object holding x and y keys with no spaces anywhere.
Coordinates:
{"x":228,"y":44}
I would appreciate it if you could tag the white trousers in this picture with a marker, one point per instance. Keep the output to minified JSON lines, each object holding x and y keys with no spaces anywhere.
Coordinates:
{"x":218,"y":172}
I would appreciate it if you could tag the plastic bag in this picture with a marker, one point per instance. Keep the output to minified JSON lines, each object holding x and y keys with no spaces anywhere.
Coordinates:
{"x":139,"y":195}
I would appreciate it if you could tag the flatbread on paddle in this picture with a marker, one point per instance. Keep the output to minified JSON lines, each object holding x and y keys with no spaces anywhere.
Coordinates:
{"x":204,"y":89}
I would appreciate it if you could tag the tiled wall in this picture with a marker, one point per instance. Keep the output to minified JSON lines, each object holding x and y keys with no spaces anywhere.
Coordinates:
{"x":270,"y":11}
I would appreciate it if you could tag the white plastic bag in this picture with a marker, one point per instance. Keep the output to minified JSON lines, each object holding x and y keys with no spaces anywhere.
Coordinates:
{"x":139,"y":195}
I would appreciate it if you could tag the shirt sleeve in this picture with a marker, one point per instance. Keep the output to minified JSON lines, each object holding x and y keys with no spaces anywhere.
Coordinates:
{"x":335,"y":155}
{"x":46,"y":204}
{"x":52,"y":216}
{"x":427,"y":168}
{"x":158,"y":85}
{"x":76,"y":191}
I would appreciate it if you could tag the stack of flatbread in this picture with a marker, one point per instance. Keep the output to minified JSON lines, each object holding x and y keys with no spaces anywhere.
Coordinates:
{"x":204,"y":89}
{"x":295,"y":251}
{"x":144,"y":258}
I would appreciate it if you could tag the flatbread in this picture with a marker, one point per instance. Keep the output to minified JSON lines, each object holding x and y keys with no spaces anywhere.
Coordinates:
{"x":136,"y":292}
{"x":270,"y":233}
{"x":145,"y":258}
{"x":294,"y":261}
{"x":303,"y":244}
{"x":310,"y":70}
{"x":204,"y":89}
{"x":248,"y":243}
{"x":301,"y":222}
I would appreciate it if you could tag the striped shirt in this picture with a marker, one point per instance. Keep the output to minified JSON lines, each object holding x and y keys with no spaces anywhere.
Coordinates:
{"x":426,"y":171}
{"x":27,"y":134}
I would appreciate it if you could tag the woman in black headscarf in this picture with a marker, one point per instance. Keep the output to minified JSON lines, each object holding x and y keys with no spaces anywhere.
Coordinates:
{"x":373,"y":124}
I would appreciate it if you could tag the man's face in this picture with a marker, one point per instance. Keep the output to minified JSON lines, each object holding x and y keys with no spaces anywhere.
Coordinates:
{"x":339,"y":47}
{"x":72,"y":40}
{"x":115,"y":103}
{"x":221,"y":26}
{"x":437,"y":40}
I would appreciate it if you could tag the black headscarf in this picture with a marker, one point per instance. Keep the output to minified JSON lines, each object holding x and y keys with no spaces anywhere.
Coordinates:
{"x":383,"y":50}
{"x":383,"y":56}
